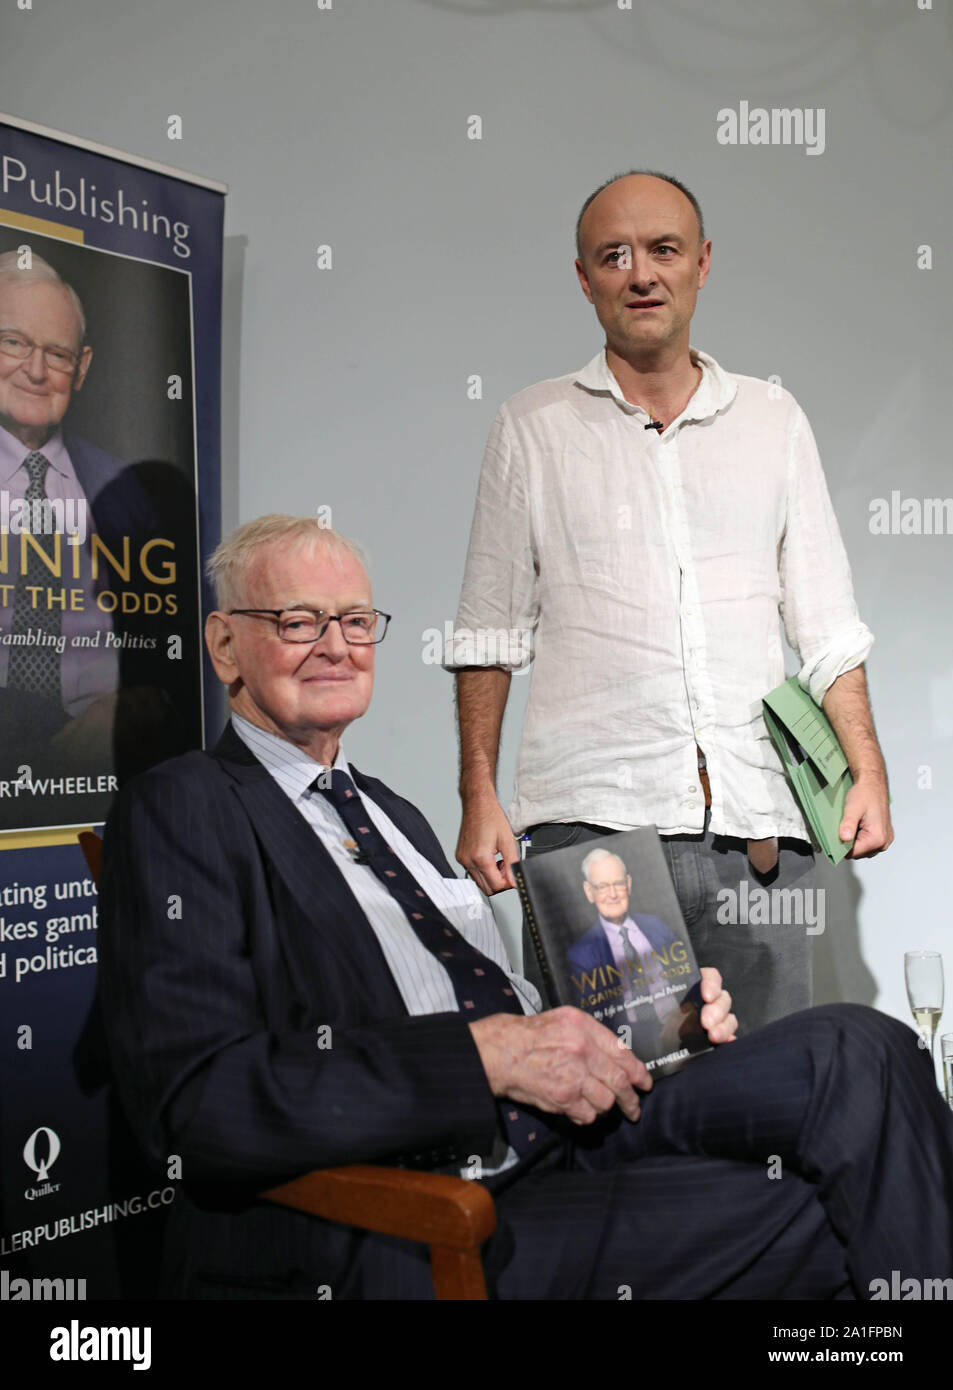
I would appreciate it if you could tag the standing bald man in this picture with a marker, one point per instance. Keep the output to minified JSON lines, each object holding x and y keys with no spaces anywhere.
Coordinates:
{"x":647,"y":520}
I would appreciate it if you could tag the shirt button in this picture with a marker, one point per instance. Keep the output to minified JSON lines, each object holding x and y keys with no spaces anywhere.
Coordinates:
{"x":693,"y":788}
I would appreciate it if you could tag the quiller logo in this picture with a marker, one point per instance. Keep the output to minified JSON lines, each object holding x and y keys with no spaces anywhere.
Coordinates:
{"x":50,"y":1144}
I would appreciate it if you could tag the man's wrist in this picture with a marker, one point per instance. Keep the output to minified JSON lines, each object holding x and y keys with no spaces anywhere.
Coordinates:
{"x":870,"y":775}
{"x":476,"y":790}
{"x":486,"y":1036}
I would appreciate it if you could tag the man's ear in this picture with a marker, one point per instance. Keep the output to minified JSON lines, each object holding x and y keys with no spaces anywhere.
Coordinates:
{"x":704,"y":262}
{"x":583,"y":279}
{"x":221,"y":647}
{"x":82,"y":367}
{"x":587,"y":889}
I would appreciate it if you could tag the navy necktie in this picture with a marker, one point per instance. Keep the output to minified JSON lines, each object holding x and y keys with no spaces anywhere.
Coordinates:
{"x":481,"y":987}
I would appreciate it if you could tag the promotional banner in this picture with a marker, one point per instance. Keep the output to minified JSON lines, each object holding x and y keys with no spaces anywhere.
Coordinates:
{"x":110,"y":328}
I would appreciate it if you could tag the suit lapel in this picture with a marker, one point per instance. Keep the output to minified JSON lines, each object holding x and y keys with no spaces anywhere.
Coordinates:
{"x":415,"y":827}
{"x":651,"y":932}
{"x":606,"y":956}
{"x":308,"y":873}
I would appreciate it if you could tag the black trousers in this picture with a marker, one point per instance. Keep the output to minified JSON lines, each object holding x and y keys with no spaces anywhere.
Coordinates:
{"x":804,"y":1161}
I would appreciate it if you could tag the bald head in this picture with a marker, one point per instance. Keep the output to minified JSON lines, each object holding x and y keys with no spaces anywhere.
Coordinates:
{"x":664,"y":192}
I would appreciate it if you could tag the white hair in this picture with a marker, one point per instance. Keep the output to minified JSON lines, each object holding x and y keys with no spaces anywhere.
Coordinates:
{"x":228,"y":565}
{"x":596,"y":854}
{"x":40,"y":272}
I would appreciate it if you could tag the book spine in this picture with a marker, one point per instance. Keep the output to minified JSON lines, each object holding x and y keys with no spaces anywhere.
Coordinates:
{"x":533,"y":925}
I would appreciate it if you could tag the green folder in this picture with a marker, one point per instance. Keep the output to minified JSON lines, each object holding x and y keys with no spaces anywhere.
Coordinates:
{"x":813,"y":760}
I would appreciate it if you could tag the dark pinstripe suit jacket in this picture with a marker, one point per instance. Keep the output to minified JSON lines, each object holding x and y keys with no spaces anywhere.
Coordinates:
{"x":228,"y":939}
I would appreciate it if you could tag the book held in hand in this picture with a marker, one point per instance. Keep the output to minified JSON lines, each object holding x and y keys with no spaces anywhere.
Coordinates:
{"x":609,"y":937}
{"x":813,"y":761}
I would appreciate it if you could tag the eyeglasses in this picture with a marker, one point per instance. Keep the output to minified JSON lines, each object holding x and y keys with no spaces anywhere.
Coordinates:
{"x":58,"y":359}
{"x":618,"y":885}
{"x":362,"y":628}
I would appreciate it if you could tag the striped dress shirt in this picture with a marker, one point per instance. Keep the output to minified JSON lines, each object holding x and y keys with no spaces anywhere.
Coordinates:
{"x":424,"y":984}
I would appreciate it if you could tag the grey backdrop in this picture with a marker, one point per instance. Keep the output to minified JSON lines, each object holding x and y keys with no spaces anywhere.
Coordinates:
{"x":346,"y":387}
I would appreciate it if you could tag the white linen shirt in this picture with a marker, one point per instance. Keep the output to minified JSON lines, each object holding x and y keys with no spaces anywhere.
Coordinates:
{"x":643,"y":575}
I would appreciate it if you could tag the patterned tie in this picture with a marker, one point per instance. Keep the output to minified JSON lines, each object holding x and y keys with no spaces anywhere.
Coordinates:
{"x":481,"y":987}
{"x":35,"y":668}
{"x":651,"y":972}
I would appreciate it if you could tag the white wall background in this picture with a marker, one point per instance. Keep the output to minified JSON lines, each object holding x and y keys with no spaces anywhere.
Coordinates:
{"x":347,"y":387}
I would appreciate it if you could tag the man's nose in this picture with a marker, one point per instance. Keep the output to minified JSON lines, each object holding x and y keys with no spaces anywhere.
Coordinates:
{"x":641,"y":272}
{"x":331,"y":643}
{"x":35,"y":364}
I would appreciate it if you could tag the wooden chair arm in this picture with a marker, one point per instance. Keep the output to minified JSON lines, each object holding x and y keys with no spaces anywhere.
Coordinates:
{"x":92,"y":847}
{"x":427,"y":1207}
{"x":451,"y":1215}
{"x":454,"y":1217}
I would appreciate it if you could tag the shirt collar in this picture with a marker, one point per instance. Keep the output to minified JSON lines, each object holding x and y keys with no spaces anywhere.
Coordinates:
{"x":13,"y":452}
{"x":296,"y":769}
{"x":614,"y":928}
{"x":714,"y":392}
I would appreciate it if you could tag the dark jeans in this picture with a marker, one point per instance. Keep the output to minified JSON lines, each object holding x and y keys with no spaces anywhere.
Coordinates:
{"x":765,"y":963}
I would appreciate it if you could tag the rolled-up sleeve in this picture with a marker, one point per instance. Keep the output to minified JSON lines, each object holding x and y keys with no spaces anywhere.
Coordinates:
{"x":499,"y":601}
{"x":820,"y":616}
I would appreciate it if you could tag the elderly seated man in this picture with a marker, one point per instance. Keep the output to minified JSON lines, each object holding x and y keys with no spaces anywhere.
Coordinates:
{"x":293,"y":977}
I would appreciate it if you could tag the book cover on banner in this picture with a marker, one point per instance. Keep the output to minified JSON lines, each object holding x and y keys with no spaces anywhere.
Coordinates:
{"x":100,"y":644}
{"x":610,"y":940}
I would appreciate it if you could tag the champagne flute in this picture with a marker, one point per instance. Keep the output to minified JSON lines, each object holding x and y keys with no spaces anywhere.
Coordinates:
{"x":946,"y":1058}
{"x":924,"y":976}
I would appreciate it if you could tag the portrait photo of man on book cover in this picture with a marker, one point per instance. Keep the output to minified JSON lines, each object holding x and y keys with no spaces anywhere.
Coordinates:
{"x":630,"y":967}
{"x":99,"y":640}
